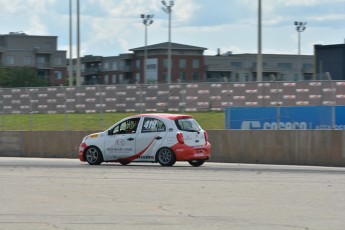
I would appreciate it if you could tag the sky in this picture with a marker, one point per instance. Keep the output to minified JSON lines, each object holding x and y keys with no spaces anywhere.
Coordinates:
{"x":113,"y":27}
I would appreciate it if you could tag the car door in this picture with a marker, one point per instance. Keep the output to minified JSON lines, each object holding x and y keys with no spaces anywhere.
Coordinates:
{"x":120,"y":140}
{"x":151,"y":136}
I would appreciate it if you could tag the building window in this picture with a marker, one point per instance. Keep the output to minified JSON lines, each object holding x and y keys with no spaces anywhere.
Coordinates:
{"x":58,"y":61}
{"x":285,"y":65}
{"x":196,"y":76}
{"x":182,"y":76}
{"x":308,"y":76}
{"x":114,"y":79}
{"x":58,"y":75}
{"x":307,"y":66}
{"x":196,"y":63}
{"x":137,"y":77}
{"x":121,"y":80}
{"x":166,"y":63}
{"x":165,"y":77}
{"x":137,"y":64}
{"x":114,"y":66}
{"x":122,"y":65}
{"x":27,"y":60}
{"x":296,"y":78}
{"x":151,"y":66}
{"x":10,"y":60}
{"x":106,"y":66}
{"x":182,"y":63}
{"x":41,"y":59}
{"x":245,"y":76}
{"x":106,"y":79}
{"x":236,"y":64}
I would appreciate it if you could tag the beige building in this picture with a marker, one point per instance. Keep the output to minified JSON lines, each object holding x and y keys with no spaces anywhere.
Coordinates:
{"x":37,"y":52}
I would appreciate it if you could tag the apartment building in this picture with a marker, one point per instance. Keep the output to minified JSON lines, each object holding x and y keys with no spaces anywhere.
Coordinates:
{"x":189,"y":64}
{"x":107,"y":70}
{"x":40,"y":53}
{"x":128,"y":68}
{"x":242,"y":67}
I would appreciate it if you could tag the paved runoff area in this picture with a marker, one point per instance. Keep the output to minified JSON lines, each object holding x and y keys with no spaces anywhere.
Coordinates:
{"x":53,"y":194}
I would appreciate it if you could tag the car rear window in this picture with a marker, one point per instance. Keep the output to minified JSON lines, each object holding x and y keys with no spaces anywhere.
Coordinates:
{"x":187,"y":124}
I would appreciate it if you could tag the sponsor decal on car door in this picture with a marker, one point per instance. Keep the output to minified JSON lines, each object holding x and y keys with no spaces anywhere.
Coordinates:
{"x":120,"y":141}
{"x":119,"y":146}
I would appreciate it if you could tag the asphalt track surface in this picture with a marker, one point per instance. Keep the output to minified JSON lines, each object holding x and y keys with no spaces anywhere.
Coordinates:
{"x":53,"y":194}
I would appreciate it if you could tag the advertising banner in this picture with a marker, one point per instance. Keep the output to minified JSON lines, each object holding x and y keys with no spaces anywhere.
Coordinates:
{"x":294,"y":117}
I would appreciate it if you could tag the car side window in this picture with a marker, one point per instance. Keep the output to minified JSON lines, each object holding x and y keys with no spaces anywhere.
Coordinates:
{"x":153,"y":125}
{"x":127,"y":127}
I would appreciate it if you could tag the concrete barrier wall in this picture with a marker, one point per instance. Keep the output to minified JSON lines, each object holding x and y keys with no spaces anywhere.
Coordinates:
{"x":290,"y":147}
{"x":304,"y":147}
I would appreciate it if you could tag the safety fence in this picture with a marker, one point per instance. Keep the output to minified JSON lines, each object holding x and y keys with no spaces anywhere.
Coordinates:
{"x":193,"y":97}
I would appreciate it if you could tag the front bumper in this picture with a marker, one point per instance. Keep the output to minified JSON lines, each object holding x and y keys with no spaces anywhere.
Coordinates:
{"x":82,"y":148}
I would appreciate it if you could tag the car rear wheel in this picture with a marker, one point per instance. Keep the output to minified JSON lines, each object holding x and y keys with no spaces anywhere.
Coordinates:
{"x":93,"y":156}
{"x":166,"y":157}
{"x":196,"y":163}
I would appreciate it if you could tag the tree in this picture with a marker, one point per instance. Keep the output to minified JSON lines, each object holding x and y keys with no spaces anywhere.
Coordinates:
{"x":20,"y":77}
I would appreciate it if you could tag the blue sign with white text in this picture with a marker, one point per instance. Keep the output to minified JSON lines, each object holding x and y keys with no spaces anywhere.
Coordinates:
{"x":294,"y":117}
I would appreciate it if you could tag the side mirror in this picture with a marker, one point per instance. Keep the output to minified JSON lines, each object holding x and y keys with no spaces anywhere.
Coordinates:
{"x":110,"y":132}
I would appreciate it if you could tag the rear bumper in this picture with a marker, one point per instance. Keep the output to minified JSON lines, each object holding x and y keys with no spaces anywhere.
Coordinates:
{"x":185,"y":153}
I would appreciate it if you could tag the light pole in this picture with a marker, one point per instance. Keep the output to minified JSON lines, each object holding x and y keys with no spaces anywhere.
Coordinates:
{"x":147,"y":20}
{"x":70,"y":71}
{"x":78,"y":83}
{"x":259,"y":57}
{"x":167,"y":9}
{"x":300,"y":27}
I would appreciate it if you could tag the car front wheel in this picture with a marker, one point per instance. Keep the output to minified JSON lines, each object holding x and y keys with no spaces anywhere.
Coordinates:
{"x":196,"y":163}
{"x":93,"y":156}
{"x":166,"y":157}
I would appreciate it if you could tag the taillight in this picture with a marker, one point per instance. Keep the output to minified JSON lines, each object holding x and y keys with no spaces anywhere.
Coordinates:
{"x":179,"y":137}
{"x":206,"y":136}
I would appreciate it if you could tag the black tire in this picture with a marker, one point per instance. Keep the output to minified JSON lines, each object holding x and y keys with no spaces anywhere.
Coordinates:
{"x":93,"y":155}
{"x":196,"y":163}
{"x":166,"y":157}
{"x":124,"y":162}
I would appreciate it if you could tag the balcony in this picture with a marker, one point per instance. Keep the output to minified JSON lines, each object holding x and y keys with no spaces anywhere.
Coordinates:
{"x":89,"y":71}
{"x":308,"y":70}
{"x":45,"y":65}
{"x":126,"y":69}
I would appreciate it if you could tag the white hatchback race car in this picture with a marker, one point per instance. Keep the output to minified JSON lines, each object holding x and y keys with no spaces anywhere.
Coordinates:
{"x":162,"y":138}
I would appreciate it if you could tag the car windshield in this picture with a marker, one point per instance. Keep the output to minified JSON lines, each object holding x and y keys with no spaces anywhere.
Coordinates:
{"x":187,"y":124}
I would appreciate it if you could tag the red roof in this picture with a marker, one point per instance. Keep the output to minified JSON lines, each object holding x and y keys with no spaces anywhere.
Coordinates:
{"x":165,"y":115}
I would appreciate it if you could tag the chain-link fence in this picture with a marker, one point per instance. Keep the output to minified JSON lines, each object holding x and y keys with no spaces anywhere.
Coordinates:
{"x":184,"y":97}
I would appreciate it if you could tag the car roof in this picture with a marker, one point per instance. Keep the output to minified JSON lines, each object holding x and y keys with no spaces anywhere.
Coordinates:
{"x":169,"y":116}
